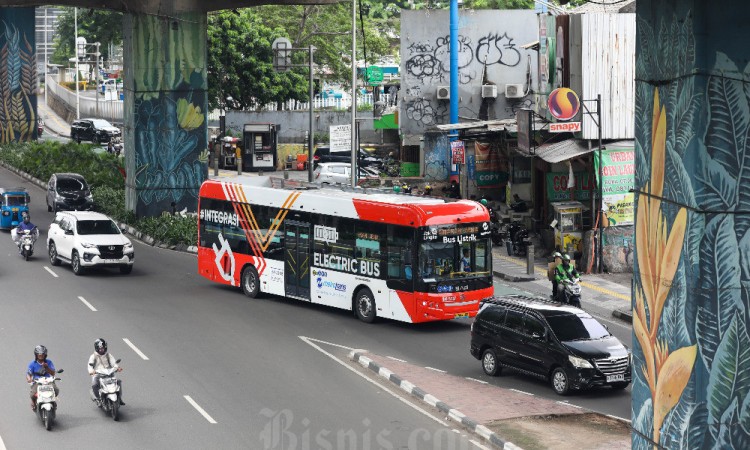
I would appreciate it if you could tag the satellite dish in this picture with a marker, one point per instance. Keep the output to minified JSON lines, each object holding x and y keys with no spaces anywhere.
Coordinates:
{"x":282,"y":54}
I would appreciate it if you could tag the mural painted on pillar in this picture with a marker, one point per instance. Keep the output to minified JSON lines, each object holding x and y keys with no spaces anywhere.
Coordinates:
{"x":18,"y":75}
{"x":691,"y":385}
{"x":170,"y":129}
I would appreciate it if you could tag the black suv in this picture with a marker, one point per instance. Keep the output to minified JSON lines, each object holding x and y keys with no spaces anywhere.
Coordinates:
{"x":95,"y":130}
{"x":68,"y":191}
{"x":323,"y":154}
{"x":552,"y":341}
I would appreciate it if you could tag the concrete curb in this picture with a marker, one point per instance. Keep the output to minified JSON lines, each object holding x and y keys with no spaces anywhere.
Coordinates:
{"x":627,"y":316}
{"x":453,"y":414}
{"x":514,"y":278}
{"x":123,"y":226}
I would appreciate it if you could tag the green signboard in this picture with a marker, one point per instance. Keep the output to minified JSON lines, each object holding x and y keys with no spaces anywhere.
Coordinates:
{"x":374,"y":75}
{"x":618,"y":173}
{"x":557,"y":186}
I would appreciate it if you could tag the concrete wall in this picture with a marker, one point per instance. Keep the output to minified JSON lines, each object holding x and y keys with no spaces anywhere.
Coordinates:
{"x":490,"y":49}
{"x":294,"y":124}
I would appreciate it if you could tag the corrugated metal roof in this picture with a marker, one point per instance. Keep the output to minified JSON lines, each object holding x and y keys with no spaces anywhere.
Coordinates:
{"x":496,"y":125}
{"x":602,"y":6}
{"x":563,"y":151}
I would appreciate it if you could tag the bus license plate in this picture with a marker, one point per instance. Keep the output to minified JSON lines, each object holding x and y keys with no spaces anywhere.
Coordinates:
{"x":459,"y":315}
{"x":612,"y":378}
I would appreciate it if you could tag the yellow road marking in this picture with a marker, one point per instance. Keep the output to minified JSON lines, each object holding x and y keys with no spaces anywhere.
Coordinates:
{"x":594,"y":287}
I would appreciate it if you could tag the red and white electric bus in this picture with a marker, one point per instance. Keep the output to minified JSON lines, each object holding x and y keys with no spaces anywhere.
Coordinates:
{"x":379,"y":254}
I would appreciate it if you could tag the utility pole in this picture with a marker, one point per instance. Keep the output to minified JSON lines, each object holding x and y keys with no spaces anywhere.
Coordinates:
{"x":354,"y":93}
{"x":78,"y":99}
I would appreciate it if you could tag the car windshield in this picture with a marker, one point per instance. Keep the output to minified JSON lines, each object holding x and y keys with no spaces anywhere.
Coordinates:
{"x":15,"y":200}
{"x":97,"y":227}
{"x":70,"y":184}
{"x":100,"y":123}
{"x":569,"y":326}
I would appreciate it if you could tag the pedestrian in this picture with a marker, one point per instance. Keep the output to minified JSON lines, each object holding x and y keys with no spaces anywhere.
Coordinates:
{"x":454,"y":191}
{"x":110,"y":148}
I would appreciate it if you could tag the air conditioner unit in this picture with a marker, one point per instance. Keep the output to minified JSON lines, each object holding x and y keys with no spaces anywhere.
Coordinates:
{"x":489,"y":91}
{"x":443,"y":93}
{"x":514,"y":90}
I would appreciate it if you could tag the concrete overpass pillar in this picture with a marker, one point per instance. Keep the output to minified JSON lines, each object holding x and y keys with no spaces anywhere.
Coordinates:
{"x":691,"y":287}
{"x":165,"y":111}
{"x":18,"y":75}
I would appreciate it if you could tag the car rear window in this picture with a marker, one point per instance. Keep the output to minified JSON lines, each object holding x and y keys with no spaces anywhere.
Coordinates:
{"x":575,"y":327}
{"x":97,"y":227}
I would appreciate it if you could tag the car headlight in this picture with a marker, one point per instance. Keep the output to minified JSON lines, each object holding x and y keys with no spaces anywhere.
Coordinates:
{"x":128,"y":245}
{"x":59,"y":197}
{"x":579,"y":363}
{"x":87,"y":245}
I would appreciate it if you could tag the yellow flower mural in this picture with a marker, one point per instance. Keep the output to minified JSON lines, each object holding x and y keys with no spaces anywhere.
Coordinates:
{"x":189,"y":116}
{"x":658,"y":253}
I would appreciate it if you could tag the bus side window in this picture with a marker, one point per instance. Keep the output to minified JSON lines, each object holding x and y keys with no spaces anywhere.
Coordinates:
{"x":400,"y":241}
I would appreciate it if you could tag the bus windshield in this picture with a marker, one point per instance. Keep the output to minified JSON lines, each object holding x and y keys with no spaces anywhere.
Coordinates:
{"x":445,"y":259}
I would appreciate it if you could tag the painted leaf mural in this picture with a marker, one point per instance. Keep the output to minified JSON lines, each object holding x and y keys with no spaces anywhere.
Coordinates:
{"x":18,"y":75}
{"x":702,"y":335}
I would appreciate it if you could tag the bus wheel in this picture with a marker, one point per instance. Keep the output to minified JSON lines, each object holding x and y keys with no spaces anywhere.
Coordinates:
{"x":250,"y":282}
{"x":364,"y":305}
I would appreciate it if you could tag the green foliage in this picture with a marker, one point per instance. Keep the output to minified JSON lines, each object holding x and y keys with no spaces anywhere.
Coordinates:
{"x":96,"y":25}
{"x":102,"y":171}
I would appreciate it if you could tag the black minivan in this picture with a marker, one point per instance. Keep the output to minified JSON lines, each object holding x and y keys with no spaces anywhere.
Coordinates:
{"x":553,"y":341}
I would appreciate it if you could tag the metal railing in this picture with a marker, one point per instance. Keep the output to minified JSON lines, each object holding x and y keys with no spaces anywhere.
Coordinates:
{"x":108,"y":109}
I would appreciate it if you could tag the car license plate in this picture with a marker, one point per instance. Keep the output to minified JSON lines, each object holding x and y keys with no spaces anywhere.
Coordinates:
{"x":111,"y":261}
{"x":459,"y":315}
{"x":613,"y":378}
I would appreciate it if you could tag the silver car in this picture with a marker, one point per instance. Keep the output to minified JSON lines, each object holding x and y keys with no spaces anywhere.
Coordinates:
{"x":340,"y":173}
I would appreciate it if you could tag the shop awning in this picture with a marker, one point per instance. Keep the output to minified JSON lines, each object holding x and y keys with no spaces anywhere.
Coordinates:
{"x":563,"y":151}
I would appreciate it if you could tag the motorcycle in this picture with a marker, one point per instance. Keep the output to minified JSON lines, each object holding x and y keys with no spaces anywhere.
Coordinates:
{"x":46,"y":400}
{"x":519,"y":239}
{"x":571,"y":292}
{"x":25,"y":241}
{"x":497,"y":231}
{"x":109,"y":391}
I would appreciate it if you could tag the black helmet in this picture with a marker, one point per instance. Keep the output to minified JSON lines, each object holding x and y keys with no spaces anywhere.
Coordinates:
{"x":40,"y":350}
{"x":100,"y":345}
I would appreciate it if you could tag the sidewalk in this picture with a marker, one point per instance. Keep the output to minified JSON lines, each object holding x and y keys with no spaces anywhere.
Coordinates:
{"x":609,"y":291}
{"x":52,"y":122}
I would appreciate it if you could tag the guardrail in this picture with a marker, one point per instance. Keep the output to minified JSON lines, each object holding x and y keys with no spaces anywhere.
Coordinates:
{"x":111,"y":110}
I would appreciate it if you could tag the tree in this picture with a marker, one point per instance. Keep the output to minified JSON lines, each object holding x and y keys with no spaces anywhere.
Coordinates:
{"x":240,"y":63}
{"x":96,"y":25}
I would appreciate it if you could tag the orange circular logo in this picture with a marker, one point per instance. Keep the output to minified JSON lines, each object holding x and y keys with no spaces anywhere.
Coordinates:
{"x":563,"y":103}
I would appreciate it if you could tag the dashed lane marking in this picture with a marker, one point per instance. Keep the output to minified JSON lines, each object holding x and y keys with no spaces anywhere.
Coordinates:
{"x":478,"y":381}
{"x":2,"y":444}
{"x":50,"y":271}
{"x":135,"y":349}
{"x":435,"y":370}
{"x":521,"y":392}
{"x":199,"y":409}
{"x":395,"y":359}
{"x":91,"y":307}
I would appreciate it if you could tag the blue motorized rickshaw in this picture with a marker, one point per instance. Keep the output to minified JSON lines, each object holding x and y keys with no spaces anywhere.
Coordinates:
{"x":13,"y":202}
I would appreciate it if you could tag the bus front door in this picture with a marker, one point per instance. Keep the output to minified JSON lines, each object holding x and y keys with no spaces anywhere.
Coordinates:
{"x":297,"y":260}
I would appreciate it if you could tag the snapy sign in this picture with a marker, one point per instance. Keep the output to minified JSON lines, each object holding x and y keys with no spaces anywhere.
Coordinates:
{"x":563,"y":103}
{"x":565,"y":127}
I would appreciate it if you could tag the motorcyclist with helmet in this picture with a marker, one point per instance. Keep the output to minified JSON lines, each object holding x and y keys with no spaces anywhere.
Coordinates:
{"x":39,"y":367}
{"x":427,"y":190}
{"x":101,"y":359}
{"x":552,"y":272}
{"x":23,"y":226}
{"x":565,"y":273}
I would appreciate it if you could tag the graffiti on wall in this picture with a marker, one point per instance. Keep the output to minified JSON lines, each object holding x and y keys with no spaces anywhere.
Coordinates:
{"x":691,"y":386}
{"x":169,"y":104}
{"x":436,"y":162}
{"x":423,"y":112}
{"x":18,"y":76}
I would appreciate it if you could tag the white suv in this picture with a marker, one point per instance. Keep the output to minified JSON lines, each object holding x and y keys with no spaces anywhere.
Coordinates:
{"x":87,"y":239}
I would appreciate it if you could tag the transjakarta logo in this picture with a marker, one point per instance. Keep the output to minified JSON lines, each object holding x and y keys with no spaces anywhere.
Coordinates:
{"x":326,"y":234}
{"x":221,"y":217}
{"x":331,"y":285}
{"x":346,"y":264}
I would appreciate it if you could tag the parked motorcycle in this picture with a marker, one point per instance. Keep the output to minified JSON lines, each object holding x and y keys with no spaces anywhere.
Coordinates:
{"x":109,"y":391}
{"x":46,"y":400}
{"x":25,"y":241}
{"x":571,"y":292}
{"x":519,"y":239}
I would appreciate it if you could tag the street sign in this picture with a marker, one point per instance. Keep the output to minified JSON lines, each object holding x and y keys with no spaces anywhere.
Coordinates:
{"x":458,"y":152}
{"x":340,"y":137}
{"x":282,"y":54}
{"x":374,"y":76}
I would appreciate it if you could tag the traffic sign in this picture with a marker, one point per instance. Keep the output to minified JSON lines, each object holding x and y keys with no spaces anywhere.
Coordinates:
{"x":374,"y":75}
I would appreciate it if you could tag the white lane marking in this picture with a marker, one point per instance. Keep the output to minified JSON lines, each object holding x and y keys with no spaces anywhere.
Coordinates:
{"x":478,"y":381}
{"x":2,"y":444}
{"x":396,"y":359}
{"x":478,"y":445}
{"x":436,"y":370}
{"x":521,"y":392}
{"x":328,"y":343}
{"x":51,"y":272}
{"x":91,"y":307}
{"x":135,"y":349}
{"x":569,"y":404}
{"x":618,"y":418}
{"x":380,"y":386}
{"x":199,"y":409}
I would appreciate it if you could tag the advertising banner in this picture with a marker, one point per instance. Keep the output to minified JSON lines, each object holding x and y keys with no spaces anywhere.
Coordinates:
{"x":618,"y":174}
{"x":340,"y":138}
{"x":458,"y":152}
{"x":557,"y":186}
{"x":521,"y":170}
{"x":491,"y":167}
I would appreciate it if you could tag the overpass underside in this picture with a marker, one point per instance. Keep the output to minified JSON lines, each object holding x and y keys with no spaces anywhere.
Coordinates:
{"x":166,"y":100}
